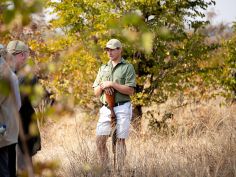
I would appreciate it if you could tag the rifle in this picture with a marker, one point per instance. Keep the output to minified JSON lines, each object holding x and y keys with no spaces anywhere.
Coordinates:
{"x":111,"y":104}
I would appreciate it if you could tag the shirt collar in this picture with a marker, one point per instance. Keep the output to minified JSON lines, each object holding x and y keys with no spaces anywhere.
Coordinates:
{"x":121,"y":61}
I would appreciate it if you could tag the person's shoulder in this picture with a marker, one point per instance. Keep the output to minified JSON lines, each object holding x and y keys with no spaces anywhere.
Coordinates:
{"x":125,"y":61}
{"x":128,"y":64}
{"x":4,"y":68}
{"x":103,"y":66}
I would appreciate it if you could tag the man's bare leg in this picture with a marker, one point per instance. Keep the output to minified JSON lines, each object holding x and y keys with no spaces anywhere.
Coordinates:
{"x":102,"y":150}
{"x":121,"y":153}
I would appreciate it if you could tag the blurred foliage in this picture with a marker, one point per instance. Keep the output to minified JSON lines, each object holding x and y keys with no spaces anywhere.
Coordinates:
{"x":14,"y":14}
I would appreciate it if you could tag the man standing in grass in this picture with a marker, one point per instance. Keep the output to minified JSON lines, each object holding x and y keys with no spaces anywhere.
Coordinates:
{"x":116,"y":77}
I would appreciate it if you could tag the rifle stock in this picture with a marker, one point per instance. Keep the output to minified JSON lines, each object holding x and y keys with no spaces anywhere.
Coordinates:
{"x":111,"y":103}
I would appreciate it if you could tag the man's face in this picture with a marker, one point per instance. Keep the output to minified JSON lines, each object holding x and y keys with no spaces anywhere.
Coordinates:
{"x":114,"y":54}
{"x":21,"y":59}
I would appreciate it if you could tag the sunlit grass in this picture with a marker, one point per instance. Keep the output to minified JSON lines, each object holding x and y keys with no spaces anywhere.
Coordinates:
{"x":204,"y":144}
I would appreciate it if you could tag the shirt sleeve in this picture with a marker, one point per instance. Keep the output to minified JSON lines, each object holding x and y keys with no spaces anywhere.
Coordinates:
{"x":4,"y":80}
{"x":98,"y":79}
{"x":15,"y":89}
{"x":130,"y":76}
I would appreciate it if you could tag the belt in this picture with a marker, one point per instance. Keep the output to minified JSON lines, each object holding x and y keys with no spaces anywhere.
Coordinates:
{"x":118,"y":103}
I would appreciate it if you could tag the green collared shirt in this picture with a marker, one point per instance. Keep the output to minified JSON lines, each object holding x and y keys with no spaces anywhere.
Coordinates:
{"x":123,"y":73}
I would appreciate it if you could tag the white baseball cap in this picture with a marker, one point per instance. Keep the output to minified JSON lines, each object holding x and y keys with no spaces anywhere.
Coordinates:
{"x":113,"y":44}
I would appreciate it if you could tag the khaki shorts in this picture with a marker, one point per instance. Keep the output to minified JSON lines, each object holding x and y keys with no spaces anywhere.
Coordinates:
{"x":123,"y":116}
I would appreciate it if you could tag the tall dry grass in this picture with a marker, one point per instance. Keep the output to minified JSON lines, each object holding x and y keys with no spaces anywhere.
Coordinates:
{"x":203,"y":145}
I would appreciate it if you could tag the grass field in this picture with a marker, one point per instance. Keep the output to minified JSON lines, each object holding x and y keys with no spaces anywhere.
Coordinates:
{"x":202,"y":144}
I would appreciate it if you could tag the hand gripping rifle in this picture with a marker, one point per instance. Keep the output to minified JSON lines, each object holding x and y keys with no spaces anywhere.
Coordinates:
{"x":111,"y":104}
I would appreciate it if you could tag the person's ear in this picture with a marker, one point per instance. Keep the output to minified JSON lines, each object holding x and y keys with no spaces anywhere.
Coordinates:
{"x":22,"y":54}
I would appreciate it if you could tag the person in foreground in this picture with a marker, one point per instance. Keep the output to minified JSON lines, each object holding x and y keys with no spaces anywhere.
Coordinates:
{"x":116,"y":77}
{"x":10,"y":104}
{"x":20,"y":52}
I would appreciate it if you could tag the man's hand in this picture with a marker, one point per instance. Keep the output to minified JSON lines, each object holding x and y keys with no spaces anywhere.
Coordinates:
{"x":106,"y":84}
{"x":107,"y":87}
{"x":109,"y":91}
